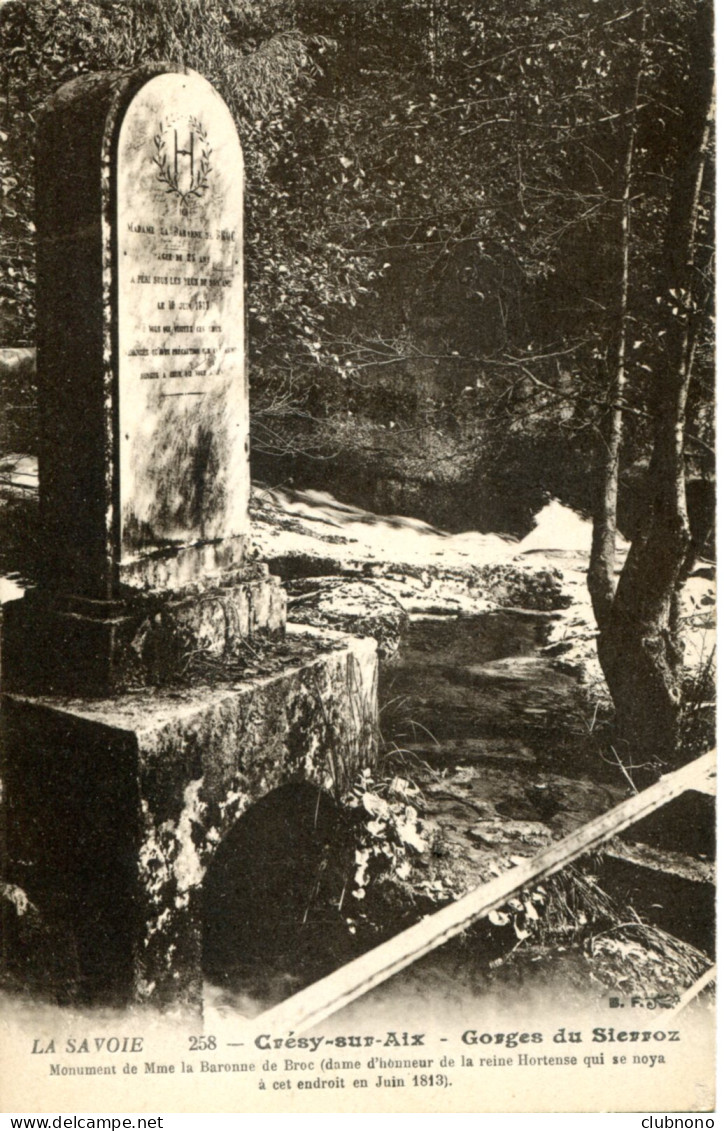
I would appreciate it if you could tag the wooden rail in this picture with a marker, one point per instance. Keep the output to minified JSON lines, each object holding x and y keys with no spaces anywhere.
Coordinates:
{"x":693,"y":991}
{"x":337,"y":990}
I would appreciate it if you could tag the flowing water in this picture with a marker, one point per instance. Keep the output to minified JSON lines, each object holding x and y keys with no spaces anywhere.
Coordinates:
{"x":503,"y":730}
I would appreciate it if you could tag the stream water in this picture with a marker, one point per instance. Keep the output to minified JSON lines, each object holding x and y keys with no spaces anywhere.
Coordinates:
{"x":503,"y":731}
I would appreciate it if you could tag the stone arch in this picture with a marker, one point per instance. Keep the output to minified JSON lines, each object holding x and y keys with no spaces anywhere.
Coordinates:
{"x":273,"y":897}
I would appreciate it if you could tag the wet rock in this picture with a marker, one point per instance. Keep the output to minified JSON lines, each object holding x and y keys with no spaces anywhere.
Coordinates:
{"x":452,"y":682}
{"x":451,"y":750}
{"x":502,"y":832}
{"x":526,"y":586}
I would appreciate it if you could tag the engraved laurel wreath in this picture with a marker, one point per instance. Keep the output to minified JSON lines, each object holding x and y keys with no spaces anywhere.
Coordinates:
{"x":185,"y":168}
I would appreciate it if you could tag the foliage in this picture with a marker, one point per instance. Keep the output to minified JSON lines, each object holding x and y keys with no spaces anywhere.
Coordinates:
{"x":483,"y":207}
{"x":390,"y":834}
{"x":251,"y":53}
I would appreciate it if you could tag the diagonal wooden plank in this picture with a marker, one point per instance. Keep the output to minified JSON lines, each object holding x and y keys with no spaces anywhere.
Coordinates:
{"x":706,"y":979}
{"x":358,"y":977}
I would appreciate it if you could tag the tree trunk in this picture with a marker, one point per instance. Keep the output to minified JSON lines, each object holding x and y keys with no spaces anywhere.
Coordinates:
{"x":639,"y":642}
{"x":602,"y":566}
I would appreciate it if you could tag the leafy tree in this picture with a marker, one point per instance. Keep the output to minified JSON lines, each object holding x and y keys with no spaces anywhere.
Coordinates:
{"x":639,"y":617}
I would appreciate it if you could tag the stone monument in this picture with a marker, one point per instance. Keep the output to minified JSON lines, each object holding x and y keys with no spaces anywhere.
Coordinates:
{"x":123,"y":770}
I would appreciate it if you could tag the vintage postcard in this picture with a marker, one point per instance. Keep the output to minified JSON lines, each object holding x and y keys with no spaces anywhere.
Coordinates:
{"x":357,"y":557}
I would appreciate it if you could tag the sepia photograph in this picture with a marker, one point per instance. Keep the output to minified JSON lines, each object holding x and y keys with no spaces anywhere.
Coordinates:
{"x":357,"y":557}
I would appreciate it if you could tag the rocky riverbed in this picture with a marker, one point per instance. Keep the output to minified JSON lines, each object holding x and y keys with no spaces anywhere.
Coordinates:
{"x":308,"y":535}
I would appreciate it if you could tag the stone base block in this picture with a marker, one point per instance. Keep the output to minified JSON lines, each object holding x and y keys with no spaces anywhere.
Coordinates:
{"x":179,"y":566}
{"x":116,"y":806}
{"x":101,"y":647}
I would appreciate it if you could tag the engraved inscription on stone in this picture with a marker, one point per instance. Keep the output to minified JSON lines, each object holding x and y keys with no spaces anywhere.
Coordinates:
{"x":183,"y":414}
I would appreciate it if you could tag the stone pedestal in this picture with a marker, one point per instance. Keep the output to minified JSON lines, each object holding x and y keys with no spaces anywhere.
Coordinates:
{"x":116,"y":806}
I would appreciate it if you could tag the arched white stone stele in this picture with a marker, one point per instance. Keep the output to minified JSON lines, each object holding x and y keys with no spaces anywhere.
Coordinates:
{"x":182,"y":395}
